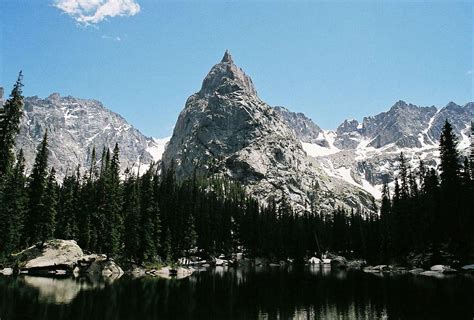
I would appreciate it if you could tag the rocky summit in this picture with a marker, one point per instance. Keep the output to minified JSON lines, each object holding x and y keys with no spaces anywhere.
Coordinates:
{"x":366,"y":154}
{"x":75,"y":126}
{"x":225,"y":128}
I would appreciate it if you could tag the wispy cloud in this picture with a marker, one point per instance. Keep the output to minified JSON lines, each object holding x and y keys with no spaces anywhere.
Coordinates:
{"x":470,"y":72}
{"x":89,"y":12}
{"x":113,"y":38}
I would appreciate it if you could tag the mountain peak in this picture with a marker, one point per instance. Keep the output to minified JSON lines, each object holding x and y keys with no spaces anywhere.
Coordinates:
{"x":54,"y":96}
{"x":227,"y":57}
{"x":225,"y":77}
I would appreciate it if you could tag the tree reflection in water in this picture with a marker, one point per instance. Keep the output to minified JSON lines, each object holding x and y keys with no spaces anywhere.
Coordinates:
{"x":242,"y":293}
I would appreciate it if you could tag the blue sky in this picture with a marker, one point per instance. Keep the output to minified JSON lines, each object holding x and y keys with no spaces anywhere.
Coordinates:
{"x":331,"y":61}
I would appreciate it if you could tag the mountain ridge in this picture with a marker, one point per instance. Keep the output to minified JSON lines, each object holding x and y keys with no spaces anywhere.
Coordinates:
{"x":232,"y":131}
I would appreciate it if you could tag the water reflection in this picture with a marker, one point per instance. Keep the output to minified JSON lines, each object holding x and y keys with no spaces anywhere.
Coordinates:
{"x":245,"y":293}
{"x":59,"y":291}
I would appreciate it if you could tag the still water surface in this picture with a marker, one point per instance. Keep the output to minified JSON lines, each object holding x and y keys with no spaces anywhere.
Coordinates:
{"x":242,"y":293}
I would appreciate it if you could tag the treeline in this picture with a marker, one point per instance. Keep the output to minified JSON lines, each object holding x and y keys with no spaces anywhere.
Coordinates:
{"x":153,"y":217}
{"x":426,"y":218}
{"x":431,"y":213}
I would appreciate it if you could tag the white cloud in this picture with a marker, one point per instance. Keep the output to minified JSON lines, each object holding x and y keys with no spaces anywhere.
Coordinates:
{"x":470,"y":72}
{"x":116,"y":38}
{"x":88,"y":12}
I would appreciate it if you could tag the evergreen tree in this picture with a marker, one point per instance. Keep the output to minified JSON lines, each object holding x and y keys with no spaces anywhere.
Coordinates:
{"x":10,"y":125}
{"x":449,"y":156}
{"x":68,"y":208}
{"x":34,"y":230}
{"x":149,"y":219}
{"x":450,"y":186}
{"x":47,"y":221}
{"x":167,"y":247}
{"x":131,"y":212}
{"x":190,"y":237}
{"x":387,"y":221}
{"x":13,"y":200}
{"x":112,"y":206}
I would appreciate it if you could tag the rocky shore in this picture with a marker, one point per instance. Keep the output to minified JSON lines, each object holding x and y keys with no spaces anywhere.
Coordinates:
{"x":56,"y":258}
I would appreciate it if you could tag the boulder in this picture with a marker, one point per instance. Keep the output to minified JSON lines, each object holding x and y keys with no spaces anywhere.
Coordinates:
{"x":443,"y":269}
{"x":6,"y":271}
{"x":52,"y":255}
{"x":438,"y":267}
{"x":356,"y":264}
{"x":431,"y":273}
{"x":416,"y":270}
{"x":110,"y":268}
{"x":99,"y":264}
{"x":468,"y":268}
{"x":220,"y":262}
{"x":314,"y":260}
{"x":381,"y":268}
{"x":339,"y":262}
{"x":171,"y":273}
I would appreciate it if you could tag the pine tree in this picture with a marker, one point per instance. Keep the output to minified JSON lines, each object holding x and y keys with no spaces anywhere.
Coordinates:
{"x":13,"y":200}
{"x":36,"y":194}
{"x":449,"y":156}
{"x":150,"y":223}
{"x":112,"y":205}
{"x":131,"y":212}
{"x":403,"y":176}
{"x":190,"y":237}
{"x":47,"y":221}
{"x":10,"y":125}
{"x":386,"y":220}
{"x":168,"y":247}
{"x":450,"y":185}
{"x":68,"y":208}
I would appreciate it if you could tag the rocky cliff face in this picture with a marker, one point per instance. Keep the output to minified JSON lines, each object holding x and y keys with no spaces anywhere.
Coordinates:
{"x":74,"y":127}
{"x":366,"y":154}
{"x":226,"y":128}
{"x":303,"y":127}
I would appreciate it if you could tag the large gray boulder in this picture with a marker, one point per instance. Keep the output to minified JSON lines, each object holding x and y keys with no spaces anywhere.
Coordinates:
{"x":98,"y":264}
{"x":52,"y":255}
{"x":339,"y":262}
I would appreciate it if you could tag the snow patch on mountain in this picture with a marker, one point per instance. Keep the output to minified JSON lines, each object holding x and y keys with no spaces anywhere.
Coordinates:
{"x":157,"y":147}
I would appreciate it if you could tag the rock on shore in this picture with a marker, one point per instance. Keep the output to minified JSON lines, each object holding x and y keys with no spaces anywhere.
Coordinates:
{"x":50,"y":256}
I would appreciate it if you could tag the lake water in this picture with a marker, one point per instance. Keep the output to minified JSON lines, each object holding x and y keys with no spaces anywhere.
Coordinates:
{"x":241,"y":293}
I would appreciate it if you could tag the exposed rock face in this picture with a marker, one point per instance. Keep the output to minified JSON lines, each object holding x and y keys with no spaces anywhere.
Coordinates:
{"x":225,"y":128}
{"x":74,"y":127}
{"x":54,"y":254}
{"x":98,"y":264}
{"x":401,"y":126}
{"x":303,"y":127}
{"x":366,"y":154}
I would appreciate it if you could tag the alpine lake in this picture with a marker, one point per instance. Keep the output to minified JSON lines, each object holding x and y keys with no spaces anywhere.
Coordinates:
{"x":287,"y":292}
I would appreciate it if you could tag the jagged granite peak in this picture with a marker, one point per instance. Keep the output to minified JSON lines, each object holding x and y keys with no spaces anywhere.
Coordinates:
{"x":74,"y":127}
{"x":227,"y":57}
{"x":366,"y":154}
{"x":456,"y":115}
{"x":402,"y":125}
{"x":303,"y":127}
{"x":350,"y":125}
{"x":226,"y":77}
{"x":226,"y":129}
